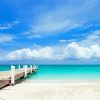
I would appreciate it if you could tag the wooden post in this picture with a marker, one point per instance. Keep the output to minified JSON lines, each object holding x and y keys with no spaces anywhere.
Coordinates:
{"x":18,"y":66}
{"x":12,"y":74}
{"x":31,"y":68}
{"x":25,"y":69}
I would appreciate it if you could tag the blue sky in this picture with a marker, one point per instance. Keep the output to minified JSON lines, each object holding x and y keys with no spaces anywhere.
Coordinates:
{"x":50,"y":31}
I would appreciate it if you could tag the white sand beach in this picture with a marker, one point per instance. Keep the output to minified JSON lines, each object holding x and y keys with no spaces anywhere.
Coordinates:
{"x":51,"y":91}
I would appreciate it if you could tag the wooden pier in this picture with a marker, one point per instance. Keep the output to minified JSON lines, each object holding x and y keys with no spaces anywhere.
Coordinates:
{"x":10,"y":77}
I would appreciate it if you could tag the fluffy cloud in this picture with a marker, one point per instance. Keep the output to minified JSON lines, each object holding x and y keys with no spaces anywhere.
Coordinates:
{"x":43,"y":53}
{"x":74,"y":50}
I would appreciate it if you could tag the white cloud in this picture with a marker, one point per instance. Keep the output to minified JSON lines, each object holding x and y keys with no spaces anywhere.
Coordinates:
{"x":8,"y":25}
{"x":92,"y":38}
{"x":27,"y":53}
{"x":95,"y":51}
{"x":85,"y":49}
{"x":5,"y":38}
{"x":74,"y":50}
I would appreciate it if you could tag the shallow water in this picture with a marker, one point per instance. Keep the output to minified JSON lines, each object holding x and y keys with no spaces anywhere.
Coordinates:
{"x":63,"y":72}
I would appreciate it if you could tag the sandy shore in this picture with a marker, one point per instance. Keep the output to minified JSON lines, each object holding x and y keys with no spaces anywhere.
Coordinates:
{"x":51,"y":91}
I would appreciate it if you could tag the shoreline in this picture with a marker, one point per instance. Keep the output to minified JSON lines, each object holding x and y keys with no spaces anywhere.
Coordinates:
{"x":64,"y":81}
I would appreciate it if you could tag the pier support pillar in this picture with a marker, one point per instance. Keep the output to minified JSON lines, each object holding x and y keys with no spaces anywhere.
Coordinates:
{"x":31,"y":68}
{"x":12,"y":75}
{"x":18,"y":66}
{"x":25,"y":69}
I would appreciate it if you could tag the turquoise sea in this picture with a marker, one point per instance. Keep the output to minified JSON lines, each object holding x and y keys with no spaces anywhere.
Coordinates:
{"x":63,"y":72}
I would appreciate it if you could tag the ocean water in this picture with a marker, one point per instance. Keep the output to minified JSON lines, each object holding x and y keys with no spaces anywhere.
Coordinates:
{"x":63,"y":72}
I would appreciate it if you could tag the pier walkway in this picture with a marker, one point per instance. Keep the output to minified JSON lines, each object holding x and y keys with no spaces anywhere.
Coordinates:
{"x":10,"y":77}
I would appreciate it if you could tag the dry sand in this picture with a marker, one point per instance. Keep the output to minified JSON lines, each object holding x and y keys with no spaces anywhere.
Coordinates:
{"x":51,"y":91}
